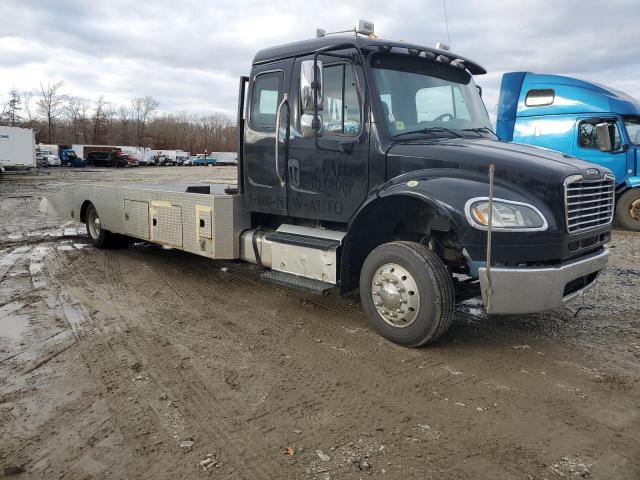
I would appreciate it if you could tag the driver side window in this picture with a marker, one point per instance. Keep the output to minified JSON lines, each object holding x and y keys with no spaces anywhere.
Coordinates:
{"x":587,"y":137}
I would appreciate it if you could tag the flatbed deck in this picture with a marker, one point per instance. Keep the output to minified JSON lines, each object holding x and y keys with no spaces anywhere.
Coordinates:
{"x":201,"y":218}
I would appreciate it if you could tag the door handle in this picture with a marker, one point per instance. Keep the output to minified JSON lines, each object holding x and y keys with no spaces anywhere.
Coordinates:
{"x":284,"y":100}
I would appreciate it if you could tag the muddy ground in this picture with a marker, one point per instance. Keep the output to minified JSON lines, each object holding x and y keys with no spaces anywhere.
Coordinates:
{"x":142,"y":363}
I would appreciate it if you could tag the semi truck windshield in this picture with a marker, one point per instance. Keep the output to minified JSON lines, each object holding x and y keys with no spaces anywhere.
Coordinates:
{"x":417,"y":94}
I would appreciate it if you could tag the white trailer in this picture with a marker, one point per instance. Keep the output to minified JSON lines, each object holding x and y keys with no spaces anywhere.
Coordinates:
{"x":17,"y":148}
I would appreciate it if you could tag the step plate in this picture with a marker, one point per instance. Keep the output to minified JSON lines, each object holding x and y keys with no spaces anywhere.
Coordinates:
{"x":302,"y":240}
{"x":294,"y":281}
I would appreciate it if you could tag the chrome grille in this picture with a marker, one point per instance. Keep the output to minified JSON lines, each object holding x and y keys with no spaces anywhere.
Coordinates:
{"x":588,"y":203}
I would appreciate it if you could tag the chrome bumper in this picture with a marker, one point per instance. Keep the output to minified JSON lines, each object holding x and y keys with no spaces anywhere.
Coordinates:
{"x":529,"y":290}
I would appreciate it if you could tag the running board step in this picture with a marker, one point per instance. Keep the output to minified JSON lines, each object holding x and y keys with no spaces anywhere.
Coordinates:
{"x":294,"y":281}
{"x":302,"y":240}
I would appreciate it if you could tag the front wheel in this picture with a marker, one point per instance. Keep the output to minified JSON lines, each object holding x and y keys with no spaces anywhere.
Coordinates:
{"x":628,"y":210}
{"x":407,"y":293}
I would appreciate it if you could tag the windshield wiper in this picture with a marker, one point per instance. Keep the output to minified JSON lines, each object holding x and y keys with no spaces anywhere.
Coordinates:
{"x":479,"y":130}
{"x":431,"y":130}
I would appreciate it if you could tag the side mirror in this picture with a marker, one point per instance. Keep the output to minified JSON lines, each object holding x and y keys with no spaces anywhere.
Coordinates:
{"x":307,"y":85}
{"x":605,"y":135}
{"x":308,"y":127}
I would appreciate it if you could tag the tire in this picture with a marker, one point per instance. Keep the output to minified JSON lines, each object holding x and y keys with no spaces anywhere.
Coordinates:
{"x":628,"y":210}
{"x":100,"y":238}
{"x":394,"y":270}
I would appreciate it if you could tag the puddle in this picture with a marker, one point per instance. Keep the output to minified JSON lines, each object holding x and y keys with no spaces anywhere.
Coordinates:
{"x":13,"y":325}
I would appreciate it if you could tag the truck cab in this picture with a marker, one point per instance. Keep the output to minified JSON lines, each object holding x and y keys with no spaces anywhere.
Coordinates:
{"x":582,"y":119}
{"x":387,"y":141}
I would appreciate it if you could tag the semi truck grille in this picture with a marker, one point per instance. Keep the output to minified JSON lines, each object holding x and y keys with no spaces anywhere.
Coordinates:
{"x":588,"y":203}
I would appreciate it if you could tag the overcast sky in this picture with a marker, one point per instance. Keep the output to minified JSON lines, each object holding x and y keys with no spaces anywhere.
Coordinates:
{"x":189,"y":54}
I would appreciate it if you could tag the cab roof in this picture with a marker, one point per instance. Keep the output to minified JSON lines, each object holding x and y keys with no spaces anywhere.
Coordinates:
{"x":307,"y":47}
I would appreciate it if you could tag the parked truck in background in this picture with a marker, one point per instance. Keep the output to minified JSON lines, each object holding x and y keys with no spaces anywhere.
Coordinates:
{"x":369,"y":163}
{"x":65,"y":153}
{"x":583,"y":119}
{"x":17,"y":148}
{"x":104,"y":155}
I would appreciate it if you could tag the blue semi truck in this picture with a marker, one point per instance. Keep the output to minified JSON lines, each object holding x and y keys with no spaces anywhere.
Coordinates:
{"x":581,"y":119}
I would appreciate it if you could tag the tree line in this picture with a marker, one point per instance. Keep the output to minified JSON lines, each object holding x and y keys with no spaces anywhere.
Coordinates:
{"x":61,"y":119}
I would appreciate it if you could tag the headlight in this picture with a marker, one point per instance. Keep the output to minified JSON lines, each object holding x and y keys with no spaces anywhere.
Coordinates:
{"x":507,"y":215}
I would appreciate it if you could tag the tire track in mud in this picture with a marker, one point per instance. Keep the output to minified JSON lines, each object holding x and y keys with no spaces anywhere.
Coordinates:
{"x":565,"y":407}
{"x":100,"y":349}
{"x":331,"y":392}
{"x":199,"y":405}
{"x":196,"y":300}
{"x":206,"y":295}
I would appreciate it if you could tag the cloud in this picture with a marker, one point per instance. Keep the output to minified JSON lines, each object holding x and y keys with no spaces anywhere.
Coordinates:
{"x":188,"y":54}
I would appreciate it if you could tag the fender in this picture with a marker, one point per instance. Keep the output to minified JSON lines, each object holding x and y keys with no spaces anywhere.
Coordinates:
{"x":444,"y":192}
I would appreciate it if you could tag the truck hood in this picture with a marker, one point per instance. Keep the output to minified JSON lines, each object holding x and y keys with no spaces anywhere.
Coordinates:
{"x":515,"y":163}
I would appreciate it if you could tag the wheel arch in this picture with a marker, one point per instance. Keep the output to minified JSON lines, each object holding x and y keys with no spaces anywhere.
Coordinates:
{"x":383,"y":218}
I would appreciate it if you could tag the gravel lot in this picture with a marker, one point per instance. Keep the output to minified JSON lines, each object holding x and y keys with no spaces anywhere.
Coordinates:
{"x":146,"y":363}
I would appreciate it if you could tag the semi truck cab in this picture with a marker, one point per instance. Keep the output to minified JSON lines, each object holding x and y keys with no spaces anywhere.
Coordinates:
{"x":596,"y":123}
{"x":370,"y":164}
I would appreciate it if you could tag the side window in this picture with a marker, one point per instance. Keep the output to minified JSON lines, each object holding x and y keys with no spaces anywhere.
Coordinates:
{"x":341,"y":113}
{"x":265,"y":99}
{"x":540,"y":97}
{"x":587,"y":137}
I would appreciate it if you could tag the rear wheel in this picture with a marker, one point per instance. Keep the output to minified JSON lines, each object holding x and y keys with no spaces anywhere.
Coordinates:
{"x":100,"y":237}
{"x":407,"y":293}
{"x":628,"y":210}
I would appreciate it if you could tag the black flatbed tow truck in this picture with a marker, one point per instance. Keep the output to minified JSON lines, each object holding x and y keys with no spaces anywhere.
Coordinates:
{"x":368,"y":163}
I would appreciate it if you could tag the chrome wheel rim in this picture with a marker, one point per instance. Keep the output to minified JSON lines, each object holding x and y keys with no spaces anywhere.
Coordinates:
{"x":94,"y":223}
{"x":395,"y":295}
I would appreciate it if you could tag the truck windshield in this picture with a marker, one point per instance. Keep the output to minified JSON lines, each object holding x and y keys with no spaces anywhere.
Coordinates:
{"x":632,"y":125}
{"x":418,"y":95}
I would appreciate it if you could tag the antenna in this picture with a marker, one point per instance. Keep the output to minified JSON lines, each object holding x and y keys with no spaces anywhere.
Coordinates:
{"x":446,"y":21}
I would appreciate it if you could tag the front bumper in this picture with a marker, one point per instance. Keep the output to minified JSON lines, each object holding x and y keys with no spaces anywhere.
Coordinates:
{"x":535,"y":289}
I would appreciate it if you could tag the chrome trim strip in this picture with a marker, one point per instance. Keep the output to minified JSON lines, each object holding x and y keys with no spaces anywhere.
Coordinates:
{"x":284,"y":100}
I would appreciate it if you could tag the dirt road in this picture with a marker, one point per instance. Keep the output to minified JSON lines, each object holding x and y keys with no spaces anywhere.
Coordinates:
{"x":147,"y":363}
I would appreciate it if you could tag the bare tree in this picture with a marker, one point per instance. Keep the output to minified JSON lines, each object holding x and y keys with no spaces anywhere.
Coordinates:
{"x":27,"y":95}
{"x":75,"y":112}
{"x":143,"y":110}
{"x":50,"y":105}
{"x":2,"y":112}
{"x":99,"y":120}
{"x":13,"y":108}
